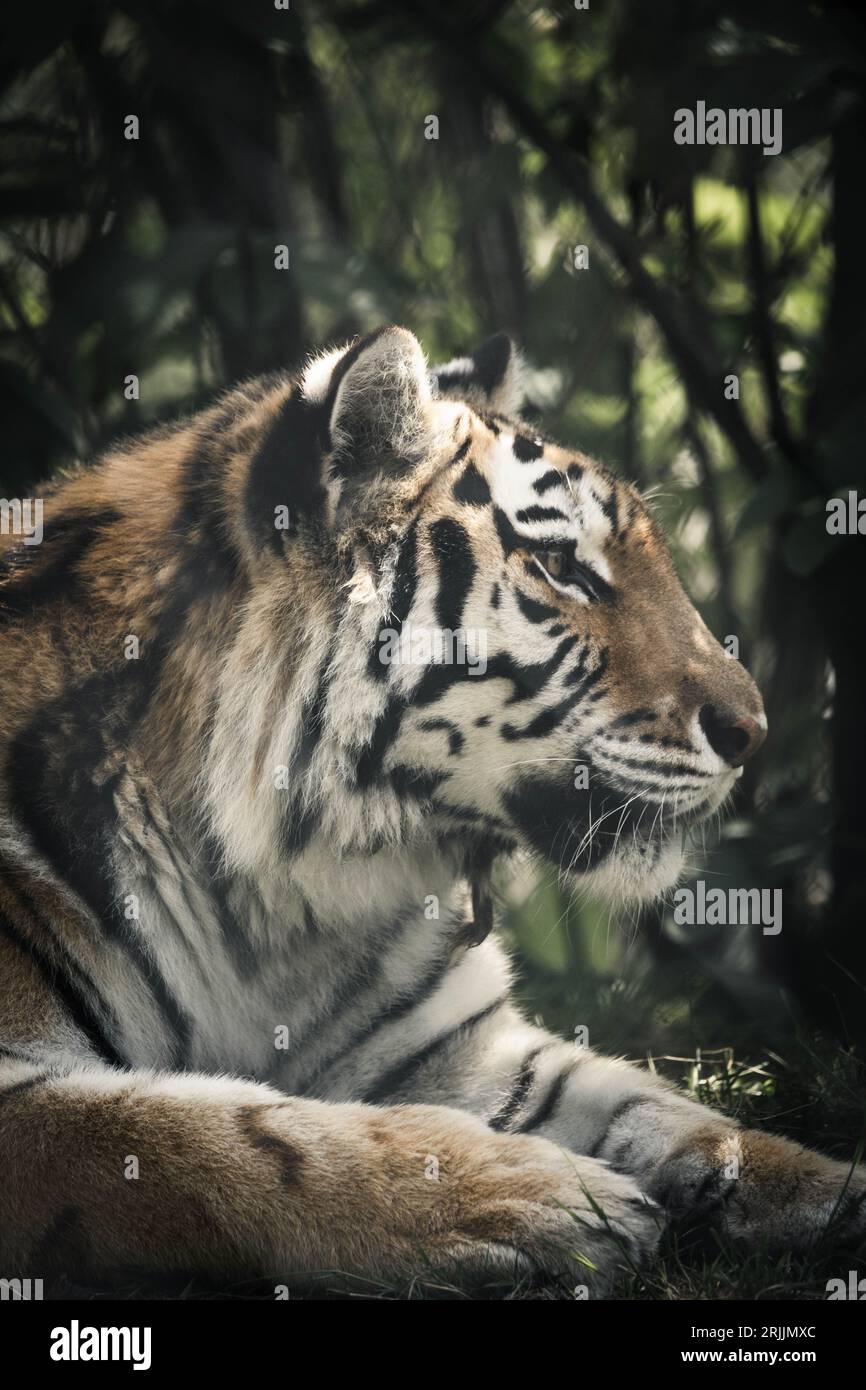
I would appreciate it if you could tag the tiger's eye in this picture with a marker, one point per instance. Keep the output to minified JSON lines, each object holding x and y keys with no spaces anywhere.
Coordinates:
{"x":554,"y":562}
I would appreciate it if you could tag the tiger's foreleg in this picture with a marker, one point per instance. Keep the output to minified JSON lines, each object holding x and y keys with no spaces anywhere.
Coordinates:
{"x":693,"y":1161}
{"x":103,"y":1170}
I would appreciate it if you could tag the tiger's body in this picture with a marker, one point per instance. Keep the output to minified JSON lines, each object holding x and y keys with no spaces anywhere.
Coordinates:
{"x":236,"y":938}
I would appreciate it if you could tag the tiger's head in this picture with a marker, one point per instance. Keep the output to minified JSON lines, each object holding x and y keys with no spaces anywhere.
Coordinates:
{"x":506,"y":656}
{"x":367,"y":613}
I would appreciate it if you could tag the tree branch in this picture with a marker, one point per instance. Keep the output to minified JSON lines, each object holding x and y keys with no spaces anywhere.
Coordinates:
{"x":702,"y":373}
{"x":787,"y":445}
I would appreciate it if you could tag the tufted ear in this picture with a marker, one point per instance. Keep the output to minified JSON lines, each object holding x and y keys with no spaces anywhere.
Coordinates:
{"x":374,"y":398}
{"x":490,"y":379}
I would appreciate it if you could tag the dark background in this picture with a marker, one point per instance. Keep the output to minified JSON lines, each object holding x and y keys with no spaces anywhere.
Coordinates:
{"x":260,"y":127}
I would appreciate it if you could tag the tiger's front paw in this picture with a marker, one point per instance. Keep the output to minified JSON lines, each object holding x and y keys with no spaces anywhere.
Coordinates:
{"x":762,"y":1188}
{"x":509,"y":1205}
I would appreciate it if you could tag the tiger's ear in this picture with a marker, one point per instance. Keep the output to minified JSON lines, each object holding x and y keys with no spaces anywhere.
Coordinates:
{"x":362,"y":407}
{"x":490,"y":379}
{"x":375,"y":399}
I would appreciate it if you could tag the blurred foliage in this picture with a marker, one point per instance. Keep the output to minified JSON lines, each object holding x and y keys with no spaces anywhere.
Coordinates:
{"x":260,"y":126}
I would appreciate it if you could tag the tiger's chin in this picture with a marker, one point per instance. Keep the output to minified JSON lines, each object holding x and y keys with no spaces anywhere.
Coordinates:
{"x":626,"y":854}
{"x":641,"y":869}
{"x":638,"y":872}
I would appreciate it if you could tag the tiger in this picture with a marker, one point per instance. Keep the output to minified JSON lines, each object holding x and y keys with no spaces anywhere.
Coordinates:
{"x":255,"y":1019}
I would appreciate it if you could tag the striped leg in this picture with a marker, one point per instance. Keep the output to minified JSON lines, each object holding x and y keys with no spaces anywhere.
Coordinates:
{"x":688,"y":1158}
{"x":103,"y":1170}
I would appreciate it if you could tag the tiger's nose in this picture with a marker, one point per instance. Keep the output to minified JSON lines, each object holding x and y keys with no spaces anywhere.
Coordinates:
{"x":734,"y":737}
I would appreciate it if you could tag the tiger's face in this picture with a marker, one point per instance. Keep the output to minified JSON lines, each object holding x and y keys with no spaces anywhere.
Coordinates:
{"x":541,"y":678}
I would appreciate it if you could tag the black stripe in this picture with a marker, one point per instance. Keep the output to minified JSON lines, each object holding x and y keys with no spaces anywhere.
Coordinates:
{"x":543,"y":723}
{"x":508,"y":537}
{"x":298,"y":828}
{"x":402,"y":598}
{"x":72,"y":818}
{"x":433,"y":478}
{"x":397,"y":1077}
{"x":585,"y":683}
{"x":526,"y":680}
{"x":347,"y":361}
{"x":657,"y":769}
{"x":611,"y":509}
{"x":40,"y":574}
{"x":405,"y":581}
{"x":547,"y":1108}
{"x":416,"y":782}
{"x":313,"y":713}
{"x":548,"y":813}
{"x":449,"y":381}
{"x":616,"y":1115}
{"x":471,"y":488}
{"x":398,"y":1008}
{"x":638,"y":716}
{"x":526,"y":448}
{"x":523,"y":1084}
{"x":586,"y":579}
{"x":663,"y":742}
{"x":154,"y":880}
{"x":453,"y":552}
{"x":553,"y":478}
{"x":534,"y":611}
{"x":299,"y":822}
{"x":359,"y":982}
{"x":68,"y":982}
{"x":447,"y":808}
{"x":202,"y":500}
{"x":286,"y":470}
{"x":385,"y":732}
{"x":456,"y":739}
{"x":536,"y":513}
{"x":289,"y":1157}
{"x":405,"y":578}
{"x":490,"y":361}
{"x":234,"y":932}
